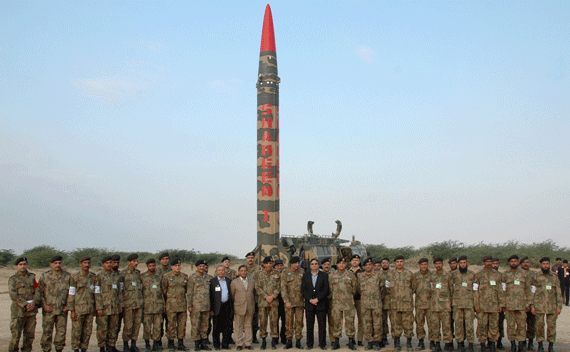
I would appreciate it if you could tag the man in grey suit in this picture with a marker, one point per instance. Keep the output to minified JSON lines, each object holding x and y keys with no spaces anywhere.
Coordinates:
{"x":244,"y":307}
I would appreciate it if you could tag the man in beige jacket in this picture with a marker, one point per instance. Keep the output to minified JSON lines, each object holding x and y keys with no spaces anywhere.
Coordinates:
{"x":244,"y":307}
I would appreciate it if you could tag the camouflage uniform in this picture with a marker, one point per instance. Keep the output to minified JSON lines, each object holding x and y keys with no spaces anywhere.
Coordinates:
{"x":291,"y":281}
{"x":440,"y":316}
{"x":386,"y":303}
{"x":160,"y":271}
{"x":400,"y":285}
{"x":530,"y":318}
{"x":489,"y":297}
{"x":174,"y":289}
{"x":343,"y":286}
{"x":422,"y":304}
{"x":108,"y":299}
{"x":370,"y":287}
{"x":54,"y":289}
{"x":267,"y":284}
{"x":547,"y":299}
{"x":153,"y":305}
{"x":198,"y":297}
{"x":518,"y":297}
{"x":81,"y":300}
{"x":132,"y":303}
{"x":231,"y":273}
{"x":358,"y":305}
{"x":23,"y":290}
{"x":463,"y":305}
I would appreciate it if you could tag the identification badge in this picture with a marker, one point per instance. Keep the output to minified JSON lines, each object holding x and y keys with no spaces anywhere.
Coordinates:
{"x":548,"y":287}
{"x":438,"y":285}
{"x":218,"y":288}
{"x":387,"y":283}
{"x":517,"y":282}
{"x":92,"y":287}
{"x":97,"y":289}
{"x":72,"y":291}
{"x":492,"y":283}
{"x":134,"y":283}
{"x":114,"y":286}
{"x":464,"y":284}
{"x":154,"y":286}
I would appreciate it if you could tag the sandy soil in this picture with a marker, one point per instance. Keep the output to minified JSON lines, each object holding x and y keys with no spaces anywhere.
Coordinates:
{"x":563,"y":323}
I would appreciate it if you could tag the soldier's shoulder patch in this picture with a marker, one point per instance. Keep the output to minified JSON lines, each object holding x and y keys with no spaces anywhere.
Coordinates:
{"x":171,"y":279}
{"x":289,"y":273}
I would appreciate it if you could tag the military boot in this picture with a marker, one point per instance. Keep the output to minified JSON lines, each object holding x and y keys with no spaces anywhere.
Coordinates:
{"x":540,"y":347}
{"x":409,"y":345}
{"x":274,"y":343}
{"x":421,"y":346}
{"x":196,"y":345}
{"x":530,"y":345}
{"x":155,"y":346}
{"x":461,"y":347}
{"x":492,"y":347}
{"x":522,"y":346}
{"x":336,"y":344}
{"x":76,"y":351}
{"x":551,"y":347}
{"x":381,"y":344}
{"x":263,"y":343}
{"x":298,"y":345}
{"x":471,"y":347}
{"x":513,"y":346}
{"x":351,"y":344}
{"x":171,"y":346}
{"x":102,"y":349}
{"x":377,"y":345}
{"x":126,"y":347}
{"x":431,"y":345}
{"x":204,"y":345}
{"x":448,"y":347}
{"x":500,"y":345}
{"x":289,"y":344}
{"x":360,"y":343}
{"x":397,"y":346}
{"x":436,"y":346}
{"x":134,"y":347}
{"x":147,"y":346}
{"x":369,"y":346}
{"x":483,"y":347}
{"x":181,"y":346}
{"x":84,"y":350}
{"x":385,"y":340}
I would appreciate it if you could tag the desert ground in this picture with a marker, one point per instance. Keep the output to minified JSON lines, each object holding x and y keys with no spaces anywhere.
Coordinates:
{"x":562,"y":344}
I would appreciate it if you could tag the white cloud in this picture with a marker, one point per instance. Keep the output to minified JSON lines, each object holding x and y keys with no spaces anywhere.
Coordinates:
{"x":111,"y":90}
{"x":365,"y":53}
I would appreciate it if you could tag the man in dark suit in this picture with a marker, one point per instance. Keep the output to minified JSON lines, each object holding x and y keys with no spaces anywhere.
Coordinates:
{"x":315,"y":290}
{"x":221,"y":308}
{"x":564,"y":277}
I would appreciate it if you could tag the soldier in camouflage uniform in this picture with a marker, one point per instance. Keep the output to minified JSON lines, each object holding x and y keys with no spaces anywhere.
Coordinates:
{"x":252,"y":271}
{"x":356,"y":270}
{"x":343,"y":286}
{"x":116,"y":262}
{"x":518,"y":298}
{"x":153,"y":305}
{"x":400,"y":284}
{"x":452,"y":268}
{"x":198,"y":297}
{"x":489,"y":300}
{"x":441,"y":284}
{"x":378,"y":266}
{"x":326,"y":268}
{"x":291,"y":280}
{"x":386,"y":300}
{"x":422,"y":303}
{"x":267,"y":285}
{"x":54,"y":289}
{"x":163,"y":268}
{"x":530,"y":318}
{"x":501,"y":322}
{"x":174,"y":286}
{"x":130,"y":281}
{"x":547,"y":303}
{"x":24,"y":294}
{"x":231,"y":273}
{"x":81,"y":305}
{"x":278,"y":265}
{"x":463,"y":305}
{"x":108,"y":305}
{"x":370,"y":286}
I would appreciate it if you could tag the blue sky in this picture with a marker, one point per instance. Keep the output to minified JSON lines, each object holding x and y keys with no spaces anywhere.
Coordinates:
{"x":132,"y":124}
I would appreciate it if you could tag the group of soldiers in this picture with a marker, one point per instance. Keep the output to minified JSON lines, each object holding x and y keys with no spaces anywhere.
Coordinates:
{"x":367,"y":291}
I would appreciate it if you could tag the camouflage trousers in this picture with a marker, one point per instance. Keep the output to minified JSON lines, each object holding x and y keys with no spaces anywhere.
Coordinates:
{"x":402,"y":321}
{"x":385,"y":327}
{"x":152,"y":325}
{"x":107,"y":330}
{"x":372,"y":321}
{"x":530,"y":325}
{"x":464,"y":330}
{"x":49,"y":322}
{"x":176,"y":327}
{"x":294,"y":322}
{"x":516,"y":325}
{"x":360,"y":327}
{"x":440,"y":322}
{"x":25,"y":326}
{"x":348,"y":316}
{"x":421,"y":318}
{"x":501,"y":325}
{"x":550,"y":325}
{"x":131,"y":324}
{"x":487,"y":327}
{"x":200,"y":323}
{"x":81,"y":331}
{"x":269,"y":315}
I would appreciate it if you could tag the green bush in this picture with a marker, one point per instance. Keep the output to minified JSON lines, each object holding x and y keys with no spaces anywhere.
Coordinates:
{"x":40,"y":256}
{"x":7,"y":257}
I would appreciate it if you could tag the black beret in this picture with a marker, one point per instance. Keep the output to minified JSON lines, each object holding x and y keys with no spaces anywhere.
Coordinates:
{"x":163,"y":255}
{"x":225,"y":258}
{"x":343,"y":260}
{"x":132,"y":257}
{"x":514,"y":256}
{"x":558,"y":258}
{"x":355,"y":256}
{"x":175,"y":261}
{"x":368,"y":260}
{"x":293,"y":260}
{"x":116,"y":258}
{"x":200,"y":262}
{"x":463,"y":257}
{"x":495,"y":259}
{"x":21,"y":259}
{"x":327,"y":259}
{"x":544,"y":259}
{"x":269,"y":260}
{"x":451,"y":260}
{"x":423,"y":260}
{"x":438,"y":259}
{"x":278,"y":261}
{"x":106,"y":259}
{"x":250,"y":254}
{"x":150,"y":261}
{"x":56,"y":259}
{"x":377,"y":261}
{"x":84,"y":258}
{"x":385,"y":258}
{"x":399,"y":257}
{"x":487,"y":257}
{"x":524,"y":258}
{"x":565,"y":261}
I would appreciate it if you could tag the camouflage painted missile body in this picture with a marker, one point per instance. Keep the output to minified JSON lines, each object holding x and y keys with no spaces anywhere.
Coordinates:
{"x":268,"y":146}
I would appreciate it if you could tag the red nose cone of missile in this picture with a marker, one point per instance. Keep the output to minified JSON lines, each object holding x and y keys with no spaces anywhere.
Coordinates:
{"x":267,"y":35}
